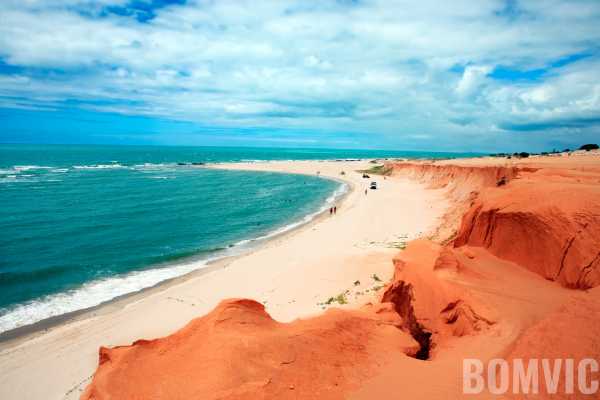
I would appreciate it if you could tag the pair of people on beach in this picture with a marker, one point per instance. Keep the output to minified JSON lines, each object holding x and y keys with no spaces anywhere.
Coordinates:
{"x":332,"y":210}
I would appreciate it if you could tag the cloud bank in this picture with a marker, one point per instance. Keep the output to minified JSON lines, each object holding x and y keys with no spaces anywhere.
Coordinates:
{"x":465,"y":75}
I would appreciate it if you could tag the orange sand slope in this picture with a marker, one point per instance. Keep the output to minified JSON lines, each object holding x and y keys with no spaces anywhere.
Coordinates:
{"x":239,"y":351}
{"x":497,"y":280}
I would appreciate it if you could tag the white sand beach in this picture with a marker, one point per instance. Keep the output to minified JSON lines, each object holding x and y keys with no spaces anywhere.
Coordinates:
{"x":293,"y":275}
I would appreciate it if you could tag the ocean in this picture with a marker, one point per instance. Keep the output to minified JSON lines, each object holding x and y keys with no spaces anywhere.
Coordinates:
{"x":81,"y":225}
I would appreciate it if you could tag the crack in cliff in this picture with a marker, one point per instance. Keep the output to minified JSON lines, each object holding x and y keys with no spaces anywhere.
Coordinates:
{"x":585,"y":272}
{"x":564,"y":256}
{"x":402,"y":296}
{"x":463,"y":237}
{"x":489,"y":234}
{"x":566,"y":251}
{"x":464,"y":318}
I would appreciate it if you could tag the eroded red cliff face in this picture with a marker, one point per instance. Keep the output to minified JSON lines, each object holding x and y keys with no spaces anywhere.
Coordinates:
{"x":551,"y":228}
{"x":463,"y":179}
{"x":544,"y":219}
{"x":238,"y":351}
{"x":432,"y":309}
{"x":462,"y":185}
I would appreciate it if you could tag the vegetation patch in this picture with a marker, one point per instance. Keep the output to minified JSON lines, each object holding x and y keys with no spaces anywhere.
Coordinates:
{"x":589,"y":146}
{"x":378,"y":170}
{"x":398,"y":245}
{"x":340,"y":299}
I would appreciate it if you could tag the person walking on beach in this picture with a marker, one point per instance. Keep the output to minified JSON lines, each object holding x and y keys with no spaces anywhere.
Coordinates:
{"x":330,"y":210}
{"x":335,"y":209}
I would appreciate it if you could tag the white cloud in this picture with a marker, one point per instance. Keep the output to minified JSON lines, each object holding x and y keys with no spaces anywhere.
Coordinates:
{"x":572,"y":95}
{"x":377,"y":66}
{"x":473,"y":77}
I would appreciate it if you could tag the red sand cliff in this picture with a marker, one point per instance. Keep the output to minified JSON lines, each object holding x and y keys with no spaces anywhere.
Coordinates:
{"x":480,"y":294}
{"x":238,"y":351}
{"x":545,"y":219}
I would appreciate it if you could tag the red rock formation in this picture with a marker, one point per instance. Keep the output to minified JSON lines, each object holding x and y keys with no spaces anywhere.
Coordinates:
{"x":431,"y":308}
{"x":462,"y":185}
{"x":457,"y":176}
{"x":239,"y":352}
{"x":549,"y":224}
{"x":545,"y":219}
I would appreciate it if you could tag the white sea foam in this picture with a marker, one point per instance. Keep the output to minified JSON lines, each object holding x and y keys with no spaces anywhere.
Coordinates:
{"x":9,"y":179}
{"x":340,"y":191}
{"x":99,"y":166}
{"x":28,"y":167}
{"x":148,"y":167}
{"x":25,"y":173}
{"x":91,"y":294}
{"x":18,"y":179}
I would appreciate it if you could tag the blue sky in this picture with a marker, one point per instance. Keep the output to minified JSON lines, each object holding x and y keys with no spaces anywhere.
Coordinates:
{"x":464,"y":76}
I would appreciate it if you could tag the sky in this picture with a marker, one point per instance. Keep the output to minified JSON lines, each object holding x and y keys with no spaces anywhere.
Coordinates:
{"x":480,"y":75}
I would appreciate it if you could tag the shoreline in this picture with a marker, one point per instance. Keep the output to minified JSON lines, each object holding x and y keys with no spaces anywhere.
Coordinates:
{"x":293,"y":275}
{"x":29,"y":331}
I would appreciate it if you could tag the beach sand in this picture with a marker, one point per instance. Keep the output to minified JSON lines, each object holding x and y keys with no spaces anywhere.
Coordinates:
{"x":292,"y":275}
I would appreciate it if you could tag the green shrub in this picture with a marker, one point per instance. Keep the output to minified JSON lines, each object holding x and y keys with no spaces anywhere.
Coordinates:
{"x":589,"y":146}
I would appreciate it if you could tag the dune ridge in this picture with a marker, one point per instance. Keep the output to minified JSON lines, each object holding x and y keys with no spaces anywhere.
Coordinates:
{"x":239,"y":351}
{"x":500,"y":269}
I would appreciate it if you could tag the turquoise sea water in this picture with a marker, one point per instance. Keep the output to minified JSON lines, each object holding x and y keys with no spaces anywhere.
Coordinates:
{"x":81,"y":225}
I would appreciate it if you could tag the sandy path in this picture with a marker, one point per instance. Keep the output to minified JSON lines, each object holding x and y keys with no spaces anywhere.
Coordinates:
{"x":292,"y":275}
